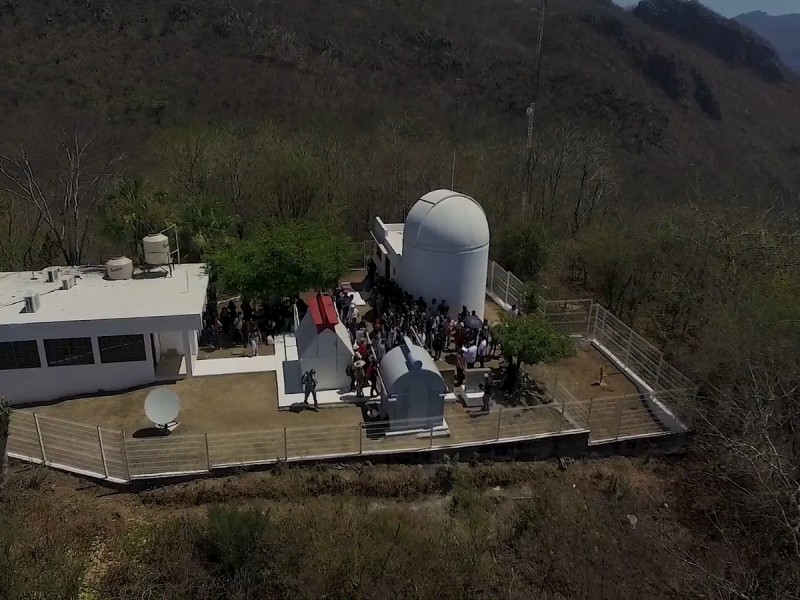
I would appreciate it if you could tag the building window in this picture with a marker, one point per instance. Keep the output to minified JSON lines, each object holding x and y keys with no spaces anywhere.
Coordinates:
{"x":19,"y":355}
{"x":121,"y":348}
{"x":68,"y":352}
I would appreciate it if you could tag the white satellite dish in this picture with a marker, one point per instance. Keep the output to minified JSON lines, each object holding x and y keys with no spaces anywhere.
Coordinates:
{"x":162,"y":406}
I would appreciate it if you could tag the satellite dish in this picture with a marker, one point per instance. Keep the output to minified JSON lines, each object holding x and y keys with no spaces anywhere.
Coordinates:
{"x":162,"y":406}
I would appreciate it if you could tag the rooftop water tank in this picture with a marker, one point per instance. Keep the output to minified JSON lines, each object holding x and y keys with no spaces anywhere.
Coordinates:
{"x":156,"y":249}
{"x":446,"y":251}
{"x":119,"y":268}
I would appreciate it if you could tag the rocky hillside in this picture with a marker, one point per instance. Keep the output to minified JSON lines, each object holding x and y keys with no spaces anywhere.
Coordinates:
{"x":782,"y":31}
{"x":682,"y":111}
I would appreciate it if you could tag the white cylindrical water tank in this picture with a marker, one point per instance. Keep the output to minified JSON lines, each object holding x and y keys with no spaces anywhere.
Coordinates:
{"x":446,"y":251}
{"x":156,"y":249}
{"x":119,"y":268}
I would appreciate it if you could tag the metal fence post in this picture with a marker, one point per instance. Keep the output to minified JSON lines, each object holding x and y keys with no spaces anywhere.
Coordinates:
{"x":658,"y":373}
{"x":619,"y":416}
{"x":553,"y":393}
{"x":628,"y":349}
{"x":491,"y":276}
{"x":431,"y":442}
{"x":39,"y":434}
{"x":563,"y":413}
{"x":285,"y":446}
{"x":208,"y":454}
{"x":589,"y":414}
{"x":102,"y":452}
{"x":597,"y":308}
{"x":508,"y":283}
{"x":360,"y":438}
{"x":603,"y":328}
{"x":124,"y":446}
{"x":589,"y":319}
{"x":499,"y":423}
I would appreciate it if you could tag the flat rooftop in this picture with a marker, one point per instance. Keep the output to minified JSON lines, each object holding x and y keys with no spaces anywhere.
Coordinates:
{"x":94,"y":297}
{"x":394,"y":237}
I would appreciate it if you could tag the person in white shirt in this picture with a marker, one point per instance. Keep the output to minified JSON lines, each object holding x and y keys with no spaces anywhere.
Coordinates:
{"x":483,"y":348}
{"x":470,"y":355}
{"x":353,"y":312}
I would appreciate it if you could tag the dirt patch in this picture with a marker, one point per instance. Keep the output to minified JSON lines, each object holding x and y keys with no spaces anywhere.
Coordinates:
{"x":615,"y":409}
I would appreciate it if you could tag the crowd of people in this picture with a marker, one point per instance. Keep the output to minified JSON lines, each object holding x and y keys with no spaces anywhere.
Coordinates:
{"x":241,"y":325}
{"x":397,"y":314}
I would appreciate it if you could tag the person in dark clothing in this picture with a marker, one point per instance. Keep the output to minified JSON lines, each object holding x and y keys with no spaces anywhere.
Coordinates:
{"x":438,"y":344}
{"x":309,"y":381}
{"x":486,"y":386}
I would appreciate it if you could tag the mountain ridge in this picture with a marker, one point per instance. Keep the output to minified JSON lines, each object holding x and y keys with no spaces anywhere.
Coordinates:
{"x":676,"y":117}
{"x":782,"y":31}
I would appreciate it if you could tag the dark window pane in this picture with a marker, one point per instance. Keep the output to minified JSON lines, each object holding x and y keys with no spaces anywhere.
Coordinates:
{"x":19,"y":355}
{"x":121,"y":348}
{"x":69,"y":352}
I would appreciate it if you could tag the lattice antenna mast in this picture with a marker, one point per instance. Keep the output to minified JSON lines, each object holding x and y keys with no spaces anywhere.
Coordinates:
{"x":531,"y":111}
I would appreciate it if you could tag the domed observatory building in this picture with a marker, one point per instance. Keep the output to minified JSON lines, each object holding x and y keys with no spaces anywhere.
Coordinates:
{"x":441,"y":251}
{"x":413,"y":390}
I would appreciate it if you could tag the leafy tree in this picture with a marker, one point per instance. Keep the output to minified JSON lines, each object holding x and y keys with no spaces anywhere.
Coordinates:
{"x":5,"y":421}
{"x":531,"y":340}
{"x":283,"y":260}
{"x":524,"y":248}
{"x":134,"y":209}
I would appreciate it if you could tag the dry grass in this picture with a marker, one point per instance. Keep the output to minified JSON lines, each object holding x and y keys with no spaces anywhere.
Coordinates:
{"x":512,"y":530}
{"x":216,"y":404}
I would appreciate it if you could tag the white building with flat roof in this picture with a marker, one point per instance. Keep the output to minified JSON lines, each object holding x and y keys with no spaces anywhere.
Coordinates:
{"x":78,"y":332}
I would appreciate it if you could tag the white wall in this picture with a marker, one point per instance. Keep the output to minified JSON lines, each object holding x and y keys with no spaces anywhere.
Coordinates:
{"x":46,"y":383}
{"x":50,"y":383}
{"x":458,"y":278}
{"x":171,"y":342}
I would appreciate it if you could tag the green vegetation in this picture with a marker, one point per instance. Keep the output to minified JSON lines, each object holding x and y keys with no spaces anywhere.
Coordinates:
{"x":663,"y":182}
{"x":283,"y":260}
{"x":531,"y":340}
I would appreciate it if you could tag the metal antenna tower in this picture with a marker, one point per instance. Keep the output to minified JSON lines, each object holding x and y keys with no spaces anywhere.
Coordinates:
{"x":531,"y":110}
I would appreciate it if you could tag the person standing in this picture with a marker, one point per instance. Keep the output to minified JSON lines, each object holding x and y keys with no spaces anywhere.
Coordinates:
{"x":461,"y":367}
{"x":217,"y":328}
{"x":372,"y":377}
{"x":486,"y":386}
{"x":309,"y":381}
{"x":438,"y":344}
{"x":360,"y":377}
{"x":470,"y":355}
{"x":483,"y":348}
{"x":237,"y":329}
{"x":255,"y":339}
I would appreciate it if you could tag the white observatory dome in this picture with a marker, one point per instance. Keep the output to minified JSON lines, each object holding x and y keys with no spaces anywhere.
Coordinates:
{"x":445,"y":221}
{"x":446,"y":251}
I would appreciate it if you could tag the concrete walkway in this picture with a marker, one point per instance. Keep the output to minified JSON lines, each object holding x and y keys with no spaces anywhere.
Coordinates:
{"x":232,"y":366}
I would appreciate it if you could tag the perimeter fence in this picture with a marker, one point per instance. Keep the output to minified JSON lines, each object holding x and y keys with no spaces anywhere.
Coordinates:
{"x":662,"y":406}
{"x":117,"y":456}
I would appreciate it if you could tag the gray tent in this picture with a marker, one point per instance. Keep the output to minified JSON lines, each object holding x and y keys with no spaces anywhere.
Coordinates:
{"x":413,"y":388}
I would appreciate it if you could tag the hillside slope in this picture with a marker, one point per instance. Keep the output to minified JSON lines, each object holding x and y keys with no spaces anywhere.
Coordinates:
{"x":679,"y":116}
{"x":782,"y":31}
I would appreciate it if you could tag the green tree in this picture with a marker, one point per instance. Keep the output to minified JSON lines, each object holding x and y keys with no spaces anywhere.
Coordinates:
{"x":531,"y":340}
{"x":283,"y":260}
{"x":524,"y":248}
{"x":133,"y":209}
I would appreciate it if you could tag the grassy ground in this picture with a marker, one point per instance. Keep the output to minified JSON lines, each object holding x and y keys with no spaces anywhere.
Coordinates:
{"x":216,"y":404}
